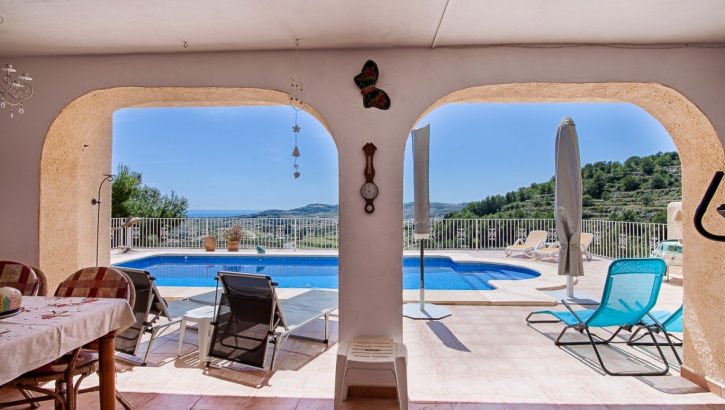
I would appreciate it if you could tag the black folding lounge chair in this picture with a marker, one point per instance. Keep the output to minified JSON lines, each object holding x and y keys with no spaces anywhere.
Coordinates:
{"x":250,"y":316}
{"x":150,"y":308}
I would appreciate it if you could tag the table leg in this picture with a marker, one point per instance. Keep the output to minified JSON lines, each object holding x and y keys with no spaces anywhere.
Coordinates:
{"x":182,"y":329}
{"x":107,"y":372}
{"x":203,"y":328}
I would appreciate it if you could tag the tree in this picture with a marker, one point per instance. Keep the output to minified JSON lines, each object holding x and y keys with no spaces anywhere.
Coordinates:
{"x":657,"y":182}
{"x":648,"y":165}
{"x":610,"y":187}
{"x":125,"y":185}
{"x":630,"y":183}
{"x":629,"y":216}
{"x":131,"y":198}
{"x":660,"y":217}
{"x":632,"y":162}
{"x":646,"y":199}
{"x":596,"y":186}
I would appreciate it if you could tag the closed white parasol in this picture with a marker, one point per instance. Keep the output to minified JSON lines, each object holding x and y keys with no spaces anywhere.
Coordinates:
{"x":421,"y":152}
{"x":568,"y":203}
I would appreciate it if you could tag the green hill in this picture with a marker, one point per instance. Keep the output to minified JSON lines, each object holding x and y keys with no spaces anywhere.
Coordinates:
{"x":307,"y":211}
{"x":437,"y":209}
{"x":637,"y":190}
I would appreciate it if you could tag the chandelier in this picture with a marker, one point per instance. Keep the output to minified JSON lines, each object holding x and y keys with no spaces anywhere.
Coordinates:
{"x":14,"y":89}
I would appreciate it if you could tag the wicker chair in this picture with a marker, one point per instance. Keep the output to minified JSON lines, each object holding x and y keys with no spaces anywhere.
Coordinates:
{"x":43,"y":291}
{"x":81,"y":361}
{"x":21,"y":277}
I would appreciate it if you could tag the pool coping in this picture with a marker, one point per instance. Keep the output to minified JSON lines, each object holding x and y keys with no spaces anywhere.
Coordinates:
{"x":528,"y":292}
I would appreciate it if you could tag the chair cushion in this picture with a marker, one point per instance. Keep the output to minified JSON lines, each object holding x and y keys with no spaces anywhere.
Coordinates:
{"x":95,"y":282}
{"x":60,"y":365}
{"x":19,"y":276}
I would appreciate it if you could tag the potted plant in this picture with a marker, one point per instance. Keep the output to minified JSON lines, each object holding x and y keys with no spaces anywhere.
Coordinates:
{"x":233,"y":235}
{"x":210,"y":242}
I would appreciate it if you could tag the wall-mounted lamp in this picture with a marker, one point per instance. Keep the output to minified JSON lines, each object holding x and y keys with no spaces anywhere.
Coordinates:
{"x":97,"y":202}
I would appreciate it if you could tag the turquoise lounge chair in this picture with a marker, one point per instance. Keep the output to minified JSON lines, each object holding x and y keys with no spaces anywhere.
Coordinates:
{"x":630,"y":291}
{"x":671,"y":322}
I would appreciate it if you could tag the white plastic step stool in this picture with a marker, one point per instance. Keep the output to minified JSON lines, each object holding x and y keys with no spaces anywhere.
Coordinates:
{"x":202,"y":317}
{"x":372,"y":354}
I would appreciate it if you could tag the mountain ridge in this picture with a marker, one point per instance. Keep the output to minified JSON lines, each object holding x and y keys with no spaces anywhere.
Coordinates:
{"x":637,"y":190}
{"x":437,"y":209}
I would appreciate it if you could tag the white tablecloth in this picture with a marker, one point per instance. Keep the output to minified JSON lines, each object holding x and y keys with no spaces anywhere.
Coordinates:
{"x":49,"y":327}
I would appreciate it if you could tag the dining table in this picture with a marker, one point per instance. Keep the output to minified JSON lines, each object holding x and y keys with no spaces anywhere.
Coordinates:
{"x":46,"y":328}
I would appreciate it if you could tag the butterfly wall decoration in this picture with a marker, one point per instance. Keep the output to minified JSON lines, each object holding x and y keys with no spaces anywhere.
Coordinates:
{"x":372,"y":96}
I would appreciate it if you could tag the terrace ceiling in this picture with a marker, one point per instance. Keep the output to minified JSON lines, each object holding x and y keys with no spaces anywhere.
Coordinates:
{"x":58,"y":27}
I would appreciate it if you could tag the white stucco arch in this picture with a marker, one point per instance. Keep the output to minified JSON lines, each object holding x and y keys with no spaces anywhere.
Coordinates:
{"x":701,"y":155}
{"x":79,"y":141}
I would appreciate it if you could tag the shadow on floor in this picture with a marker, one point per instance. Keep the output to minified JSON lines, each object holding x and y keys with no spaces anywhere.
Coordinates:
{"x":635,"y":358}
{"x":446,"y":336}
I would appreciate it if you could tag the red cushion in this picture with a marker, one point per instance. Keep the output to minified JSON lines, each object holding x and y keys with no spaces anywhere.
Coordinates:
{"x":95,"y":282}
{"x":19,"y":276}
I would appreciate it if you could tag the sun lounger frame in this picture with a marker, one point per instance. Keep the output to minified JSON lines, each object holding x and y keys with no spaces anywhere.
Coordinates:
{"x":279,"y":328}
{"x":155,"y":305}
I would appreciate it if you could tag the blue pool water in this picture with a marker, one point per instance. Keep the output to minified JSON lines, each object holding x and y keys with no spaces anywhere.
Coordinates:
{"x":321,"y":271}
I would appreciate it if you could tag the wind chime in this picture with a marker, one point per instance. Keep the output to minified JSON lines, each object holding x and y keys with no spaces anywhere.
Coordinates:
{"x":296,"y":102}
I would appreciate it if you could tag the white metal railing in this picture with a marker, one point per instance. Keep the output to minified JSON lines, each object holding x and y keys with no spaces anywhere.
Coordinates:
{"x":612,"y":239}
{"x":294,"y":233}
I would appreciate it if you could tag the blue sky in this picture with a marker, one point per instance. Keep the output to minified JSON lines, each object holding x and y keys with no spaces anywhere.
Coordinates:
{"x":240,"y":157}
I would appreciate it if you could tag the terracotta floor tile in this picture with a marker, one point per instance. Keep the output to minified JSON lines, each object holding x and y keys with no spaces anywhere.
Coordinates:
{"x":369,"y":404}
{"x":271,"y":403}
{"x":220,"y":403}
{"x":480,"y":357}
{"x":429,"y":406}
{"x":315,"y":404}
{"x":163,"y":401}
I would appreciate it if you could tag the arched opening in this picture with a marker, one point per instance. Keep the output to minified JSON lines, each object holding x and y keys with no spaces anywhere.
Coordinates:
{"x":77,"y":152}
{"x":491,"y":181}
{"x":193,"y":176}
{"x":701,"y":155}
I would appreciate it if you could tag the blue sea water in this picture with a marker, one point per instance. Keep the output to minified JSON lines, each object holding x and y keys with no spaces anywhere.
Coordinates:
{"x":322,"y":271}
{"x":212,"y":213}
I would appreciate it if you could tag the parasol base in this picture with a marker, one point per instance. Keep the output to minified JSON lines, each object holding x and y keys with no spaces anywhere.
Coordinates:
{"x":429,"y":311}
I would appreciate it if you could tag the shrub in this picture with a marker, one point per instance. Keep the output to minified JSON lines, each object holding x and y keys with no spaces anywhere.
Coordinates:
{"x":233,"y":233}
{"x":658,"y":182}
{"x":630,"y":183}
{"x":647,"y":165}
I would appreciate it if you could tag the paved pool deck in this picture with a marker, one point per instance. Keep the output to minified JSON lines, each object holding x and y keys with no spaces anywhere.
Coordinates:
{"x":481,"y":357}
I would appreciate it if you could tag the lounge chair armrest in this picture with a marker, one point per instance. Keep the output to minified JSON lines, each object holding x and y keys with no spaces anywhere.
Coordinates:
{"x":519,"y":242}
{"x":540,"y":245}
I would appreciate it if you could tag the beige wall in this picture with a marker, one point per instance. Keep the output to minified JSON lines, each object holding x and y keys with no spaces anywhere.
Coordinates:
{"x":416,"y":79}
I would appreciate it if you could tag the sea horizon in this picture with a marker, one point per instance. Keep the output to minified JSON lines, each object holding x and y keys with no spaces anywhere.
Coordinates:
{"x":219,"y":213}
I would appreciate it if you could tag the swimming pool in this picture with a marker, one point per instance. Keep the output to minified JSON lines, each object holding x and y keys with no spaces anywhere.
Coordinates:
{"x":321,"y":271}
